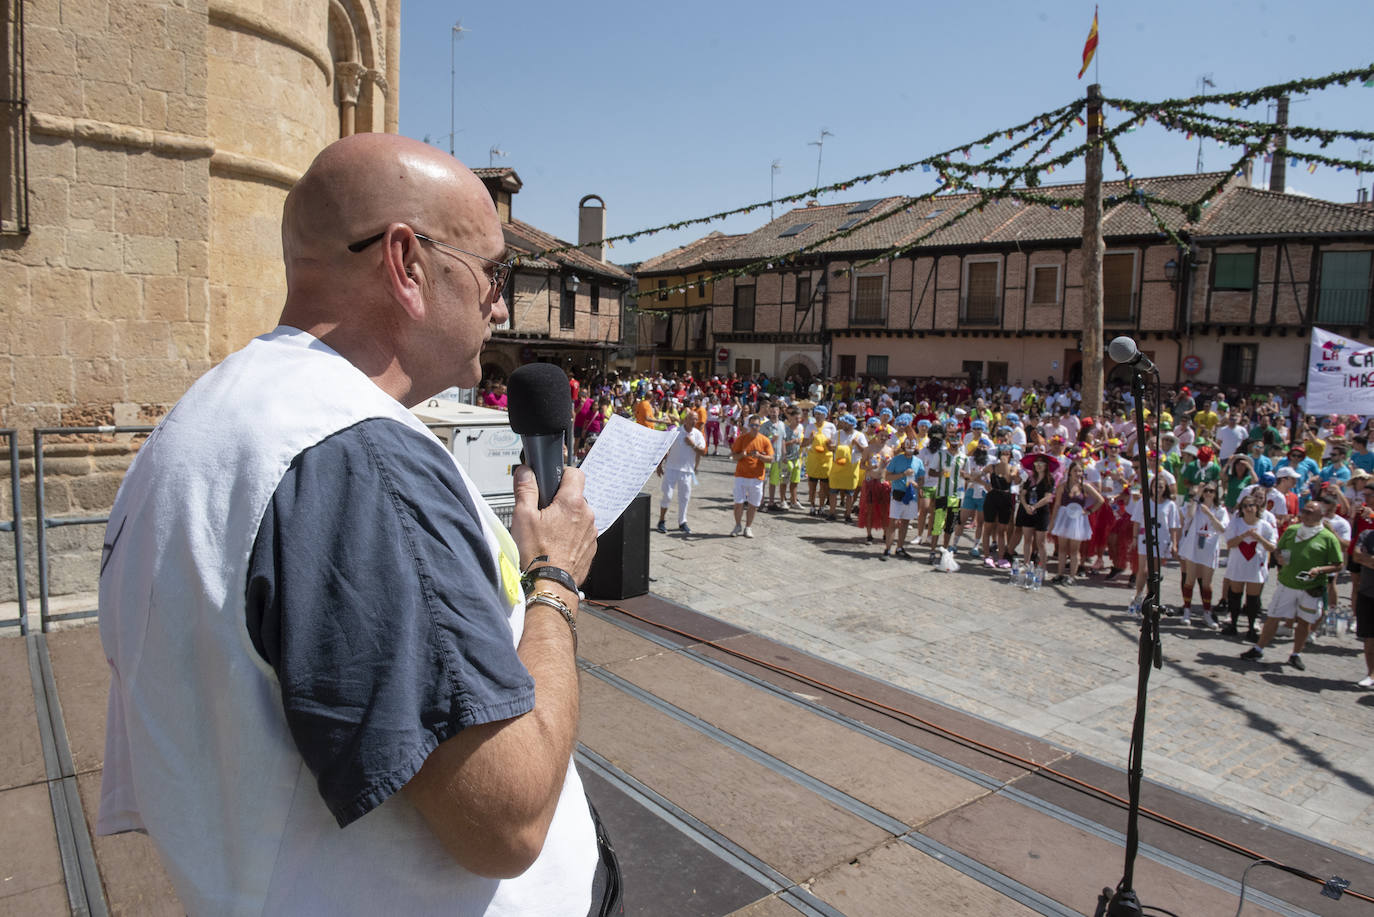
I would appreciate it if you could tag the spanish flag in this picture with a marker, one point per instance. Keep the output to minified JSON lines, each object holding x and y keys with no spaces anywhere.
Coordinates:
{"x":1089,"y":46}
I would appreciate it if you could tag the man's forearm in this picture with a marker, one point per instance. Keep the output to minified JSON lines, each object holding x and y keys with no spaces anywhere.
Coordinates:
{"x":489,"y":793}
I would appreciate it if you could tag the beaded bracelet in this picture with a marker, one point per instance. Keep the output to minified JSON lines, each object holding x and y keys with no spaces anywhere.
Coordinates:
{"x":553,"y":601}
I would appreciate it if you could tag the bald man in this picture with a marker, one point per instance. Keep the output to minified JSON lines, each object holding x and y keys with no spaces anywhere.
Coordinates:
{"x":329,"y":693}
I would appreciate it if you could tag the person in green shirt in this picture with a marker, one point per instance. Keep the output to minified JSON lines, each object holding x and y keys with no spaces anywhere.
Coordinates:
{"x":1198,"y":467}
{"x":1308,"y":553}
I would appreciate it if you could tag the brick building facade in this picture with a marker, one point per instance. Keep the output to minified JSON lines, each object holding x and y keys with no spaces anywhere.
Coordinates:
{"x":998,"y":295}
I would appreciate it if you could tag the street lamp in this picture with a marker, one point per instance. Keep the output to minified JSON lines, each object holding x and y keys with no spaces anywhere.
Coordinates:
{"x":454,"y":34}
{"x":1171,"y":272}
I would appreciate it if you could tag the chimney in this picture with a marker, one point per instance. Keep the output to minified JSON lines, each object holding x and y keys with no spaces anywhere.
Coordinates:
{"x":1247,"y":171}
{"x":1278,"y":172}
{"x":591,"y":226}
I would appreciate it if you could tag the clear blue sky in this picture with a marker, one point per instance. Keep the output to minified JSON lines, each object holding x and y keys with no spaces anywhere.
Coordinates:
{"x":670,"y":111}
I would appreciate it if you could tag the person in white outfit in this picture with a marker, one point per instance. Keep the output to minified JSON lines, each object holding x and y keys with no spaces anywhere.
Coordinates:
{"x":1167,"y":527}
{"x":1204,"y":521}
{"x":678,"y":469}
{"x":1250,"y":538}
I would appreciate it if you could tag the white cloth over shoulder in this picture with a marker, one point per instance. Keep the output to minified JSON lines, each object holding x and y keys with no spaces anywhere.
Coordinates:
{"x":198,"y":752}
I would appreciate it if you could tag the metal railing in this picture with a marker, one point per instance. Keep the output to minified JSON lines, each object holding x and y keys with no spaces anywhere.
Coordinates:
{"x":1343,"y":307}
{"x":43,"y":523}
{"x":15,"y":525}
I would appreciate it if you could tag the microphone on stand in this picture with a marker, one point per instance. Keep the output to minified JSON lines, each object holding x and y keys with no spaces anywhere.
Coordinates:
{"x":1123,"y":350}
{"x":539,"y":404}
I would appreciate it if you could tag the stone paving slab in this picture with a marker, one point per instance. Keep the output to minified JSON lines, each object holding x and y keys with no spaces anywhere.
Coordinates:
{"x":1060,"y":663}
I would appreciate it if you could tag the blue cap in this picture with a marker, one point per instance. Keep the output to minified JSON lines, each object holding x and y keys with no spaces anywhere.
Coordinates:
{"x":872,"y":422}
{"x":904,"y":420}
{"x":1268,"y":480}
{"x":979,"y":425}
{"x":1013,"y":418}
{"x":821,"y":409}
{"x":849,"y":419}
{"x":922,"y":424}
{"x":885,"y":412}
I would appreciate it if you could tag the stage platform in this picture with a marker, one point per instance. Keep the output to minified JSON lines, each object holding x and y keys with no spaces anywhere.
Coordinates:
{"x":737,"y":776}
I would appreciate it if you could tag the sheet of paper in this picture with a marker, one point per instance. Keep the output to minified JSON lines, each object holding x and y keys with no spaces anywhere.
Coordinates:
{"x":624,"y":456}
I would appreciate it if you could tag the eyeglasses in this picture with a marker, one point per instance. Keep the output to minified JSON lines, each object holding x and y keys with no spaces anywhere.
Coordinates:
{"x":498,"y":276}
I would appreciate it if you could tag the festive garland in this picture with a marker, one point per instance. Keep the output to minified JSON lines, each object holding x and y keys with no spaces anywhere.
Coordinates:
{"x":932,"y":161}
{"x":958,"y":176}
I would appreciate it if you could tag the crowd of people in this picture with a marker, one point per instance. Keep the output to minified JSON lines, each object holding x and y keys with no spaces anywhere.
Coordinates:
{"x":1016,"y":477}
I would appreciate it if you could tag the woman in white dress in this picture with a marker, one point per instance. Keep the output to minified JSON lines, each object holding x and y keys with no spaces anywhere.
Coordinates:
{"x":1249,"y":539}
{"x":1168,"y":525}
{"x":1204,"y":521}
{"x":1075,"y":500}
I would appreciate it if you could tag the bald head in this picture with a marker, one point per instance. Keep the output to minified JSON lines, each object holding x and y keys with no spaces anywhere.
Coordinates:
{"x":413,"y":306}
{"x":359,"y":184}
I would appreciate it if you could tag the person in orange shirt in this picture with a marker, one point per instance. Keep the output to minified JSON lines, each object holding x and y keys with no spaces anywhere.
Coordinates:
{"x":644,"y":412}
{"x":753,"y":453}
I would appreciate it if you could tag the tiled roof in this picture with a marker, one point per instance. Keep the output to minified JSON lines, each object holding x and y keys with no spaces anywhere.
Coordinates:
{"x":823,"y":220}
{"x":693,"y":254}
{"x":1252,"y":212}
{"x":1237,"y":211}
{"x":503,"y":175}
{"x":524,"y":239}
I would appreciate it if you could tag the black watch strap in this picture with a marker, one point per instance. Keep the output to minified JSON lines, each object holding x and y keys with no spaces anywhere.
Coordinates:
{"x":552,"y":574}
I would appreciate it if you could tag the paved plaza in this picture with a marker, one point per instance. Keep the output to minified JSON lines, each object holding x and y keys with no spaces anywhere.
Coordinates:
{"x":1294,"y":748}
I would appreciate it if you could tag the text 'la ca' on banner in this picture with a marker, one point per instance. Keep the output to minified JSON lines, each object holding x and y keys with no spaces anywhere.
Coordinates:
{"x":1340,"y":375}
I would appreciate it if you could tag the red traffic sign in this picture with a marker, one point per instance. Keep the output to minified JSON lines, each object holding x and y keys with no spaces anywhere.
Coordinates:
{"x":1192,"y":363}
{"x":723,"y":355}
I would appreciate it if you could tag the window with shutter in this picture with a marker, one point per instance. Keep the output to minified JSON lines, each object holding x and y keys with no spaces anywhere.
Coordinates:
{"x":981,"y":293}
{"x":1045,"y":285}
{"x":868,"y":301}
{"x":1118,"y":287}
{"x":1344,"y":298}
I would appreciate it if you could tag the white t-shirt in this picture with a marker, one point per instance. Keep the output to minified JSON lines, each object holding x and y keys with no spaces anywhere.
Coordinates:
{"x":971,"y":472}
{"x":1099,"y":474}
{"x":681,"y":457}
{"x":1166,"y":519}
{"x":1248,"y":562}
{"x":1229,"y":440}
{"x":1201,"y":535}
{"x":1340,"y":525}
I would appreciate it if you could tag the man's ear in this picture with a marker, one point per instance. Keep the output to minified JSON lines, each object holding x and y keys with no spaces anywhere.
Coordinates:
{"x":402,"y":269}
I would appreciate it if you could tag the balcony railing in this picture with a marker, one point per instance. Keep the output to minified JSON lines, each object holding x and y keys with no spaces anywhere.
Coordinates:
{"x":1343,"y":307}
{"x":1119,"y":307}
{"x":980,"y":309}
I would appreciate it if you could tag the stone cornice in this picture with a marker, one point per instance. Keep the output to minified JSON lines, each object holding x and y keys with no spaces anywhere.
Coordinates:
{"x":253,"y":167}
{"x":226,"y":12}
{"x":164,"y":142}
{"x":124,"y":135}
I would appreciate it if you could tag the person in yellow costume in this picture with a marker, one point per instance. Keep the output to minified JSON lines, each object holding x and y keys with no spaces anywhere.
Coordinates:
{"x":846,"y":471}
{"x":819,"y":438}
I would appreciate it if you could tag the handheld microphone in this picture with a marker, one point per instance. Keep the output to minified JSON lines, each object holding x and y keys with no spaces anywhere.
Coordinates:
{"x":539,"y":404}
{"x":1123,"y":350}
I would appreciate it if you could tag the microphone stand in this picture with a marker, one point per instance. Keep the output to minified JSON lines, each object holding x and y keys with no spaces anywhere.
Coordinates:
{"x":1124,"y":902}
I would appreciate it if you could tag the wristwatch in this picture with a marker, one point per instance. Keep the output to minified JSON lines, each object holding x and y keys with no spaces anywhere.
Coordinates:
{"x":552,"y":574}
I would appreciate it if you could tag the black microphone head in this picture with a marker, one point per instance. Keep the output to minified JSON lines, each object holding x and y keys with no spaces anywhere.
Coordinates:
{"x":1122,"y":349}
{"x":538,"y":399}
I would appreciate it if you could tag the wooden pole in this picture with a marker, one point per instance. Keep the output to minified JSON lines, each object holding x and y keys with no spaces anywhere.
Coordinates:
{"x":1093,"y":246}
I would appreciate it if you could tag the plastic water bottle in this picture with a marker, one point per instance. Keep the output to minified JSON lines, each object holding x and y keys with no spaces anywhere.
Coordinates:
{"x":1016,"y":578}
{"x":1037,"y":578}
